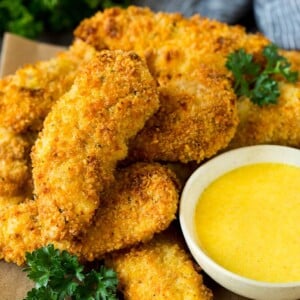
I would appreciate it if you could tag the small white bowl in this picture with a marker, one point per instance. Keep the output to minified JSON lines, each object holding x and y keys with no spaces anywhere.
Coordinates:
{"x":195,"y":185}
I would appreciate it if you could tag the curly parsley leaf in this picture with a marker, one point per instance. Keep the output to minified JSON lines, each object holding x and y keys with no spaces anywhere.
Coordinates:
{"x":244,"y":70}
{"x":257,"y":81}
{"x":16,"y":17}
{"x":278,"y":64}
{"x":265,"y":91}
{"x":42,"y":293}
{"x":58,"y":275}
{"x":99,"y":285}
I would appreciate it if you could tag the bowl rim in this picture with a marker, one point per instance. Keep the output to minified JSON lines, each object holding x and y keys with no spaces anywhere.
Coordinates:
{"x":191,"y":243}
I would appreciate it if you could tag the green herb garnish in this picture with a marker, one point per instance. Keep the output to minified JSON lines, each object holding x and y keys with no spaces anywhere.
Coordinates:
{"x":30,"y":18}
{"x":58,"y":275}
{"x":256,"y":81}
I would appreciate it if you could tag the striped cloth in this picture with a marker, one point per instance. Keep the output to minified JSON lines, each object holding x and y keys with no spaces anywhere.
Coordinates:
{"x":279,"y":20}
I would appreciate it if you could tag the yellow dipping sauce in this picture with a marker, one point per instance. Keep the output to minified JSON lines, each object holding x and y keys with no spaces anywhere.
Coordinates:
{"x":248,"y":221}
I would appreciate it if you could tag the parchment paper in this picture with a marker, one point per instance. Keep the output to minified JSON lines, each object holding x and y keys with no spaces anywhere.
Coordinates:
{"x":17,"y":51}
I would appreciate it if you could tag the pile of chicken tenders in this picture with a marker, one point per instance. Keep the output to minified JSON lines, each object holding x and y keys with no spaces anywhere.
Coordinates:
{"x":91,"y":141}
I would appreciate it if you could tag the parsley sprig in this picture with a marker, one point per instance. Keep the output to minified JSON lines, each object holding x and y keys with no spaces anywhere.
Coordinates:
{"x":257,"y":81}
{"x":58,"y":275}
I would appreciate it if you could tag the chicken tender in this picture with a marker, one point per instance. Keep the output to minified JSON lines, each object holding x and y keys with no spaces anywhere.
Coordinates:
{"x":6,"y":201}
{"x":196,"y":119}
{"x":273,"y":123}
{"x":14,"y":168}
{"x":85,"y":135}
{"x":197,"y":116}
{"x":27,"y":96}
{"x":19,"y":231}
{"x":175,"y":47}
{"x":270,"y":124}
{"x":293,"y":57}
{"x":25,"y":99}
{"x":142,"y":201}
{"x":167,"y":40}
{"x":160,"y":269}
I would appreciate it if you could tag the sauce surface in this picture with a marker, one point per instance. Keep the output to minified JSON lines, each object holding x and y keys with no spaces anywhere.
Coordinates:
{"x":248,"y":221}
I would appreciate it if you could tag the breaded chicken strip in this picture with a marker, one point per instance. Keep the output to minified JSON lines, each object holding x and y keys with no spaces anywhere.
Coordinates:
{"x":174,"y":48}
{"x":167,"y":40}
{"x":197,"y":118}
{"x":25,"y":99}
{"x":19,"y":231}
{"x":14,"y":167}
{"x":293,"y":57}
{"x":158,"y":270}
{"x":85,"y":135}
{"x":143,"y":200}
{"x":6,"y":201}
{"x":27,"y":96}
{"x":273,"y":123}
{"x":187,"y":57}
{"x":270,"y":124}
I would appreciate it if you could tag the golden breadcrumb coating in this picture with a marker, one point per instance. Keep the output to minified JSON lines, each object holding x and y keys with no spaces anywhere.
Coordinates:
{"x":25,"y":99}
{"x":27,"y":96}
{"x":197,"y":116}
{"x":158,"y":270}
{"x":19,"y":231}
{"x":142,"y":201}
{"x":273,"y":123}
{"x":153,"y":34}
{"x":175,"y":46}
{"x":84,"y":136}
{"x":270,"y":124}
{"x":293,"y":57}
{"x":6,"y":201}
{"x":14,"y":169}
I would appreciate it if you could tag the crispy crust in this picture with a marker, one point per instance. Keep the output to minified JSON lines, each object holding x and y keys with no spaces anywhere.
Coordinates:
{"x":25,"y":99}
{"x":175,"y":48}
{"x":151,"y":33}
{"x":270,"y":124}
{"x":141,"y":202}
{"x":15,"y":175}
{"x":274,"y":123}
{"x":196,"y":119}
{"x":160,"y":270}
{"x":27,"y":96}
{"x":198,"y":113}
{"x":19,"y":231}
{"x":84,"y":136}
